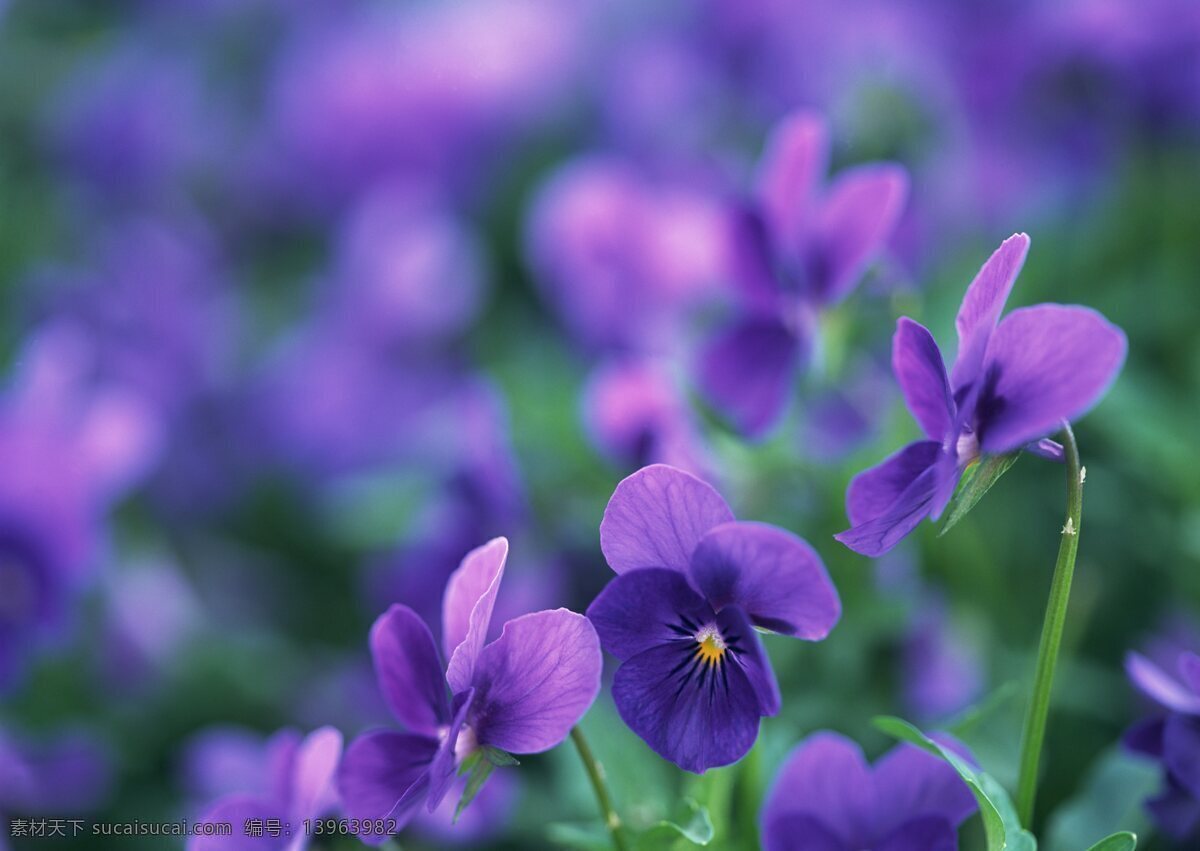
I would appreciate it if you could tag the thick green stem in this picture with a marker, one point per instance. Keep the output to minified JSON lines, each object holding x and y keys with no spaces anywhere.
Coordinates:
{"x":596,"y":774}
{"x":1052,"y":632}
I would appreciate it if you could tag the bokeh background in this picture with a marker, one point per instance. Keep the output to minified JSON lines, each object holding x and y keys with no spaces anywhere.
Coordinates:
{"x":300,"y":301}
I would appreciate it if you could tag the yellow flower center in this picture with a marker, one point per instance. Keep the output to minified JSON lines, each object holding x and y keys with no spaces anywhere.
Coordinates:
{"x":711,"y":649}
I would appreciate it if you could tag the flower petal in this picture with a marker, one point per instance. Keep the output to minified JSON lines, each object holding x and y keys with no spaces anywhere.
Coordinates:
{"x":929,"y":833}
{"x":1176,"y":811}
{"x":637,"y":610}
{"x":982,"y":305}
{"x":1146,"y":737}
{"x":1181,"y":751}
{"x":827,"y":778}
{"x":385,"y":775}
{"x":1160,"y":686}
{"x":656,"y":517}
{"x":443,"y":768}
{"x":752,"y":657}
{"x":771,"y":574}
{"x":1049,"y":363}
{"x":235,"y":810}
{"x":921,"y":373}
{"x":752,"y":261}
{"x":747,"y":371}
{"x":536,"y":681}
{"x":910,"y":783}
{"x":873,"y":491}
{"x":793,"y":164}
{"x":796,"y":832}
{"x":467,"y":609}
{"x":855,"y":220}
{"x":879,"y":534}
{"x":313,"y":775}
{"x":409,"y":671}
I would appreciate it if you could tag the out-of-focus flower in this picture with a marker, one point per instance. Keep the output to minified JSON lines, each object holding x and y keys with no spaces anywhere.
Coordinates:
{"x":522,"y":693}
{"x":1012,"y":383}
{"x":152,"y":612}
{"x":799,"y":249}
{"x":827,"y":797}
{"x":941,"y":669}
{"x":71,"y":772}
{"x":221,"y":761}
{"x":490,"y":811}
{"x":621,"y":256}
{"x":845,"y":414}
{"x":692,"y":585}
{"x":299,"y":787}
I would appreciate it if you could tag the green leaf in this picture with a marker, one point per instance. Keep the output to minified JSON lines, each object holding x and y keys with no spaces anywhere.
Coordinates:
{"x":698,"y":831}
{"x":480,"y":771}
{"x":977,"y":480}
{"x":499,"y":758}
{"x":1108,"y":801}
{"x":583,"y":837}
{"x":972,"y":716}
{"x":1000,"y":823}
{"x":1124,"y":841}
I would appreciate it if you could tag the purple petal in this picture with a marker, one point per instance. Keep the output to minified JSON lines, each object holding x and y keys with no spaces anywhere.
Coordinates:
{"x":536,"y":681}
{"x":752,"y":657}
{"x":921,"y":834}
{"x":467,"y":609}
{"x":408,"y":670}
{"x":1146,"y":737}
{"x":235,"y":810}
{"x":1051,"y":363}
{"x":752,"y":261}
{"x":1046,"y":448}
{"x":796,"y":832}
{"x":694,"y":716}
{"x":982,"y":305}
{"x":910,"y":783}
{"x":747,"y":371}
{"x":921,"y":373}
{"x":879,"y":534}
{"x":1189,"y":669}
{"x":384,"y":775}
{"x":656,"y":517}
{"x":316,"y":764}
{"x":826,"y":778}
{"x":636,"y":610}
{"x":771,"y":574}
{"x":872,"y":492}
{"x":1181,"y":751}
{"x":1159,"y":686}
{"x":856,"y":219}
{"x":1176,"y":811}
{"x":443,"y":769}
{"x":947,"y":472}
{"x":793,"y":164}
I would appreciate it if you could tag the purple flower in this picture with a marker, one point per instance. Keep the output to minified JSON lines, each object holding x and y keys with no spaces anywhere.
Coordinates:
{"x":827,"y":798}
{"x":798,"y":248}
{"x":692,"y":585}
{"x":942,"y":667}
{"x":522,"y":693}
{"x":1012,"y":383}
{"x":1172,"y":738}
{"x":70,"y":773}
{"x":299,"y":786}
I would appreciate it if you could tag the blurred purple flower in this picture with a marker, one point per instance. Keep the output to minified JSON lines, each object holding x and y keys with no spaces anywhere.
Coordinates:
{"x":522,"y":693}
{"x":152,"y":612}
{"x":1012,"y":383}
{"x":942,"y":670}
{"x":692,"y":585}
{"x":845,"y":415}
{"x":490,"y":812}
{"x":221,"y":761}
{"x":71,"y":773}
{"x":798,"y":249}
{"x":827,"y":798}
{"x":299,"y":787}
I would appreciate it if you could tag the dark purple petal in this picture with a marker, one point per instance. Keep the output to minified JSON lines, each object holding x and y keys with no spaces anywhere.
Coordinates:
{"x":876,"y":536}
{"x":1160,"y":686}
{"x":467,"y":609}
{"x":694,"y":715}
{"x":409,"y":671}
{"x":747,"y":371}
{"x":921,"y":834}
{"x":1050,"y":363}
{"x":792,"y":166}
{"x":1146,"y":737}
{"x":982,"y":305}
{"x":313,"y":774}
{"x":1181,"y":751}
{"x":910,"y":784}
{"x":643,"y":609}
{"x":385,"y":775}
{"x":855,"y":220}
{"x":752,"y":261}
{"x":752,"y":657}
{"x":536,"y":681}
{"x":921,"y":373}
{"x":873,"y":491}
{"x":826,"y":778}
{"x":797,"y":832}
{"x":1176,"y":811}
{"x":235,"y":810}
{"x":771,"y":574}
{"x":451,"y":751}
{"x":656,"y":517}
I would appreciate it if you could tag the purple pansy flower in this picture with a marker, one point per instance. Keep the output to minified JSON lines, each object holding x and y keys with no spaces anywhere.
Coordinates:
{"x":1172,"y":738}
{"x":1013,"y":382}
{"x":692,"y":585}
{"x":827,"y":798}
{"x":521,"y":693}
{"x":299,"y":787}
{"x":797,"y":249}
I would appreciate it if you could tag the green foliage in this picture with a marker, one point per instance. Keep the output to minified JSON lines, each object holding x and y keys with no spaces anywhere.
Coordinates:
{"x":1117,"y":842}
{"x":976,"y":481}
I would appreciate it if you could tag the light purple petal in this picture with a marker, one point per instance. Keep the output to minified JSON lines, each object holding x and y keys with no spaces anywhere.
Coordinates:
{"x":1189,"y":669}
{"x":638,"y":610}
{"x":385,"y":775}
{"x":910,"y":783}
{"x":1051,"y":363}
{"x":982,"y":306}
{"x":748,"y":370}
{"x":947,"y":471}
{"x":798,"y":832}
{"x":1160,"y":686}
{"x":873,"y":491}
{"x":444,"y":767}
{"x":536,"y":681}
{"x":409,"y":671}
{"x":234,"y":811}
{"x":921,"y":373}
{"x":656,"y":517}
{"x":793,"y":164}
{"x":467,"y":609}
{"x":771,"y":574}
{"x":921,"y":834}
{"x":316,"y":764}
{"x":827,"y":778}
{"x":855,"y":220}
{"x":876,"y":536}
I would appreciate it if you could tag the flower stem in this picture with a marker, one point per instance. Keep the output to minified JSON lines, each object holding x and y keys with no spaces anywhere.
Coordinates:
{"x":595,"y":773}
{"x":1052,"y":632}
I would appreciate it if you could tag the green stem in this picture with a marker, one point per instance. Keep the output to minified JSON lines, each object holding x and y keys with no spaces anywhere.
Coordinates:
{"x":1052,"y":632}
{"x":595,"y":773}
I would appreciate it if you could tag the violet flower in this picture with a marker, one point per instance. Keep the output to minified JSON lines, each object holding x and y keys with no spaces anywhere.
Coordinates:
{"x":1013,"y":383}
{"x":827,"y":798}
{"x":522,"y":693}
{"x":692,"y":585}
{"x":1172,"y":738}
{"x":299,"y":787}
{"x":798,"y":249}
